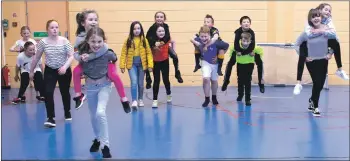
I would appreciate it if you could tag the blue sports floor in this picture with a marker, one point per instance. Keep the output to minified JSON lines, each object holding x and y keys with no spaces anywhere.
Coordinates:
{"x":276,"y":126}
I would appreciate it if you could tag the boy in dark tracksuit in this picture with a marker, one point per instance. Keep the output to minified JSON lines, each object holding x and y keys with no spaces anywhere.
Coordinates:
{"x":215,"y":36}
{"x":245,"y":27}
{"x":245,"y":67}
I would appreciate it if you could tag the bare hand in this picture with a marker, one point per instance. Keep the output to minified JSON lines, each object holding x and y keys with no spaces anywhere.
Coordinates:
{"x":157,"y":44}
{"x":329,"y":56}
{"x":214,"y":60}
{"x":308,"y":59}
{"x":62,"y":70}
{"x":205,"y":48}
{"x":31,"y":76}
{"x":122,"y":70}
{"x":239,"y":54}
{"x":252,"y":54}
{"x":17,"y":78}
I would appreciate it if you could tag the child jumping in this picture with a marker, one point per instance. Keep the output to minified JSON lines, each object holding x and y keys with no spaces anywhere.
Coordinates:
{"x":136,"y":56}
{"x":86,"y":20}
{"x":215,"y":36}
{"x":98,"y":84}
{"x":209,"y":63}
{"x":245,"y":22}
{"x":24,"y":60}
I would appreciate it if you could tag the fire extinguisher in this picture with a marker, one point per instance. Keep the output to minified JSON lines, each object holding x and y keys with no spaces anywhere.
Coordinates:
{"x":5,"y":76}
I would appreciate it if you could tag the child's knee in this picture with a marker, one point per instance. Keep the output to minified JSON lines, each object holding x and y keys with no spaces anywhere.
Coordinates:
{"x":221,"y":54}
{"x":206,"y":80}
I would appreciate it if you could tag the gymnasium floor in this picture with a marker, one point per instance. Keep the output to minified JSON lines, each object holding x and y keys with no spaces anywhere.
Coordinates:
{"x":276,"y":126}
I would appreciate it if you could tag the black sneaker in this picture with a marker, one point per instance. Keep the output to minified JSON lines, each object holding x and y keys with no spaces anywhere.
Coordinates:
{"x":15,"y":101}
{"x":79,"y":101}
{"x":220,"y":73}
{"x":178,"y":76}
{"x":126,"y":107}
{"x":196,"y":68}
{"x":224,"y":86}
{"x":68,"y":116}
{"x":206,"y":102}
{"x":106,"y":153}
{"x":41,"y":99}
{"x":239,"y":98}
{"x":262,"y":88}
{"x":50,"y":122}
{"x":23,"y":99}
{"x":214,"y":100}
{"x":248,"y":103}
{"x":311,"y":105}
{"x":316,"y":112}
{"x":95,"y":146}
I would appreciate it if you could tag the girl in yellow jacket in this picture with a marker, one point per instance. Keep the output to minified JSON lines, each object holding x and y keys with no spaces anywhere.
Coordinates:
{"x":136,"y":56}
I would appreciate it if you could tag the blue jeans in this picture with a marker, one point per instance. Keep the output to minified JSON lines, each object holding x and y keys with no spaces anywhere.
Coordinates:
{"x":98,"y":97}
{"x":137,"y":76}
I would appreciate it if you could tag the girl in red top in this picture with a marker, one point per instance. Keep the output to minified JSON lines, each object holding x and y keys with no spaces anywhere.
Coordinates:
{"x":161,"y":64}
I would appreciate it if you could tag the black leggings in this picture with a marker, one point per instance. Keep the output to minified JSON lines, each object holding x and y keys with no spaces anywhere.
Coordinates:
{"x":244,"y":77}
{"x":318,"y":71}
{"x":258,"y":61}
{"x":51,"y":77}
{"x":38,"y":83}
{"x":332,"y":43}
{"x":159,"y":67}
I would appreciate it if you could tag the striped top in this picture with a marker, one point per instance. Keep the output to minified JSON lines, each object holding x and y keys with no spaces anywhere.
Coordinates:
{"x":56,"y":55}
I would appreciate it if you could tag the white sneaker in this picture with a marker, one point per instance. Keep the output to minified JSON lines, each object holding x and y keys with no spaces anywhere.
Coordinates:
{"x":134,"y":104}
{"x":342,"y":74}
{"x":297,"y":89}
{"x":169,"y":98}
{"x":141,"y":104}
{"x":155,"y":104}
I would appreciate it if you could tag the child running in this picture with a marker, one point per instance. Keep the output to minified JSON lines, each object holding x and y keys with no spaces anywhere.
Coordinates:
{"x":152,"y":38}
{"x":24,"y":60}
{"x":98,"y":85}
{"x":317,"y":56}
{"x":86,"y":20}
{"x":136,"y":56}
{"x":325,"y":10}
{"x":245,"y":22}
{"x":215,"y":36}
{"x":209,"y":50}
{"x":161,"y":64}
{"x":245,"y":66}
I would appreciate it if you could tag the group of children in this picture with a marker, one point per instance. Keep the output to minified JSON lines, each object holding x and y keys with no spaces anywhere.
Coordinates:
{"x":144,"y":54}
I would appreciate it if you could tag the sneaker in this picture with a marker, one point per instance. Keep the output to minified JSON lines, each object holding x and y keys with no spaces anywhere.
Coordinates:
{"x":224,"y":85}
{"x":155,"y":104}
{"x":248,"y":103}
{"x":316,"y":112}
{"x":262,"y":88}
{"x":79,"y":100}
{"x":297,"y":89}
{"x":40,"y":98}
{"x":196,"y":68}
{"x":206,"y":102}
{"x":239,"y":98}
{"x":126,"y":107}
{"x":342,"y":74}
{"x":50,"y":122}
{"x":95,"y":146}
{"x":169,"y":98}
{"x":106,"y":152}
{"x":15,"y":101}
{"x":311,"y":105}
{"x":141,"y":104}
{"x":23,"y":99}
{"x":68,"y":116}
{"x":178,"y":77}
{"x":134,"y":105}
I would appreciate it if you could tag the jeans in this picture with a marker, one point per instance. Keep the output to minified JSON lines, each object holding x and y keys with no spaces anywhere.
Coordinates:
{"x":98,"y":97}
{"x":137,"y":76}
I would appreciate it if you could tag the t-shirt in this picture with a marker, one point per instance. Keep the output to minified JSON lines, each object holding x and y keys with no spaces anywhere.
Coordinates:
{"x":24,"y":62}
{"x":211,"y":51}
{"x":246,"y":59}
{"x":162,"y":53}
